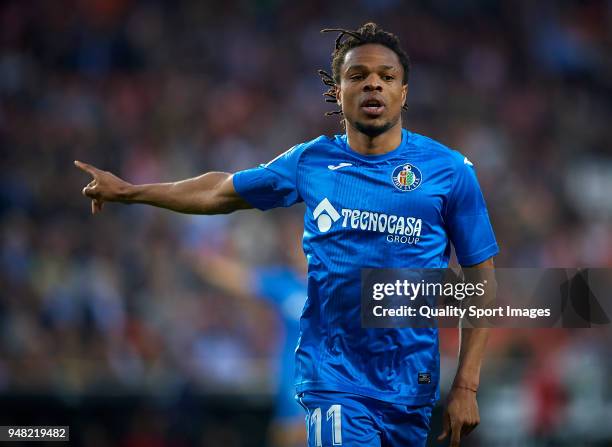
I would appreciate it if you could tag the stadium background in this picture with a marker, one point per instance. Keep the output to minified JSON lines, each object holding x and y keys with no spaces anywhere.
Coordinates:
{"x":105,"y":323}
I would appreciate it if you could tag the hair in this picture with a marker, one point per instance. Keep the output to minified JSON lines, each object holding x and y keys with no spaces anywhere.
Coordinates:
{"x":368,"y":33}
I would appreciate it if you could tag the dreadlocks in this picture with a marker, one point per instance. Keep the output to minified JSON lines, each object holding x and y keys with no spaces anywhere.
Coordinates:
{"x":367,"y":33}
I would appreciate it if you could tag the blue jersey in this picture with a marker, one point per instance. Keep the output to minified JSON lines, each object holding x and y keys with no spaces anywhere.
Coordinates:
{"x":401,"y":209}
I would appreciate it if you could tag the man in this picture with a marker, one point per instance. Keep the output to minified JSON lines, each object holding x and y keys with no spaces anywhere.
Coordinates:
{"x":377,"y":196}
{"x":283,"y":286}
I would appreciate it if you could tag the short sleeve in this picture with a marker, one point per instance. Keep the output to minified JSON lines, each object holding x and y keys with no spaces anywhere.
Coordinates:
{"x":467,"y":219}
{"x":268,"y":283}
{"x":282,"y":288}
{"x":273,"y":184}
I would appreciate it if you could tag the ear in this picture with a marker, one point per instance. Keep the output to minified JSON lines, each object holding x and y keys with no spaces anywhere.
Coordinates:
{"x":404,"y":93}
{"x":338,"y":95}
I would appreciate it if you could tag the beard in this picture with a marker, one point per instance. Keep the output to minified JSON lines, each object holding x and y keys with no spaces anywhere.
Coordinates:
{"x":374,"y":130}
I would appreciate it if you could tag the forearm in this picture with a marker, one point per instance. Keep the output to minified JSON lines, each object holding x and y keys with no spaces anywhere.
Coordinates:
{"x":225,"y":273}
{"x":471,"y":354}
{"x":204,"y":194}
{"x":474,"y":339}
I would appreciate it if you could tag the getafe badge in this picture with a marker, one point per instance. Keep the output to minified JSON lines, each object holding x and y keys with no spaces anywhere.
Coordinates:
{"x":406,"y":177}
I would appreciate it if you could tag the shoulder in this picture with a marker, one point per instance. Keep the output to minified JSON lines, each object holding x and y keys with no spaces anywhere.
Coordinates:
{"x":291,"y":161}
{"x":321,"y":142}
{"x":312,"y":149}
{"x":451,"y":157}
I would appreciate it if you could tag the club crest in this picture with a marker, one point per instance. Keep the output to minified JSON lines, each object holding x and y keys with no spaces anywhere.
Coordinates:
{"x":406,"y":177}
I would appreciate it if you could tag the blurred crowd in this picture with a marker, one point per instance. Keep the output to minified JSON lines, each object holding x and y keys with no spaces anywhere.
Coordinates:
{"x":162,"y":90}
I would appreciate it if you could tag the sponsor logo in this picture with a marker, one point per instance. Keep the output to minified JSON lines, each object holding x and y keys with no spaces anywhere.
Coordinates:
{"x":467,"y":162}
{"x":402,"y":229}
{"x":325,"y":215}
{"x":406,"y":177}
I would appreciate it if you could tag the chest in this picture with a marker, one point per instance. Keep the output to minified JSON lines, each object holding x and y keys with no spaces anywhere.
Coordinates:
{"x":361,"y":194}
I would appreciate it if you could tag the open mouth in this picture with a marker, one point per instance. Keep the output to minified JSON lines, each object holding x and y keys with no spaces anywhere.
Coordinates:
{"x":373,"y":106}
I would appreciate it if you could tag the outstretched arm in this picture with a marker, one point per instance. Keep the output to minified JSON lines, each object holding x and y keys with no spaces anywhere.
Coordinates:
{"x":461,"y":415}
{"x":210,"y":193}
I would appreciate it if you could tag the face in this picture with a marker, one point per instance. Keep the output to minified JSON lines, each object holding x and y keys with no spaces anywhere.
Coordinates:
{"x":371,"y":92}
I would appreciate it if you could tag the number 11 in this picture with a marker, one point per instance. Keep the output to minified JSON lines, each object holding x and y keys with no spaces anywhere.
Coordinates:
{"x":335,"y":414}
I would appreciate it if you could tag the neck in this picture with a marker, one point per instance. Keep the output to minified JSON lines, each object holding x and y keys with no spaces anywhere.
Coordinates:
{"x":378,"y":145}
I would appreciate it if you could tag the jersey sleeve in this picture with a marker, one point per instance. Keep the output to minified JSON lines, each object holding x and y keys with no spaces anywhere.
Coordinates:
{"x":273,"y":184}
{"x":267,"y":283}
{"x":467,"y":219}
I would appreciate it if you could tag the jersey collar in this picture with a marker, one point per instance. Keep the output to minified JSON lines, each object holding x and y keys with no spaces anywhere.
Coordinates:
{"x":406,"y":135}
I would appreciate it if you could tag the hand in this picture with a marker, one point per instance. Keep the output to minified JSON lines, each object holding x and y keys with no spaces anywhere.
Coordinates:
{"x":105,"y":187}
{"x":461,"y":415}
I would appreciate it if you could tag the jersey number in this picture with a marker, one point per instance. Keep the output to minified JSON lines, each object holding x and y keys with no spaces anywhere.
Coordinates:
{"x":335,"y":414}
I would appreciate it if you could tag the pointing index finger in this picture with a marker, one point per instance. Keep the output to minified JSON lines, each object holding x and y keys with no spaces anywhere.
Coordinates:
{"x":86,"y":167}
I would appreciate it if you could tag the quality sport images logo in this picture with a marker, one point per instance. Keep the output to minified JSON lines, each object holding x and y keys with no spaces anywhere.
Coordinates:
{"x":406,"y":177}
{"x":401,"y":229}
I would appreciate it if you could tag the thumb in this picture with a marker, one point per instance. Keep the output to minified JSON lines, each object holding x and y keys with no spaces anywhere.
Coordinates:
{"x":445,"y":427}
{"x":96,"y":205}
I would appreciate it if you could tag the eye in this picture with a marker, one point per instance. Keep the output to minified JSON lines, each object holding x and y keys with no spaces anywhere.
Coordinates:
{"x":388,"y":77}
{"x":356,"y":77}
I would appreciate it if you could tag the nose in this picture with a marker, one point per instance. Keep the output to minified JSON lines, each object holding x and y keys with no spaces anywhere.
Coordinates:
{"x":373,"y":83}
